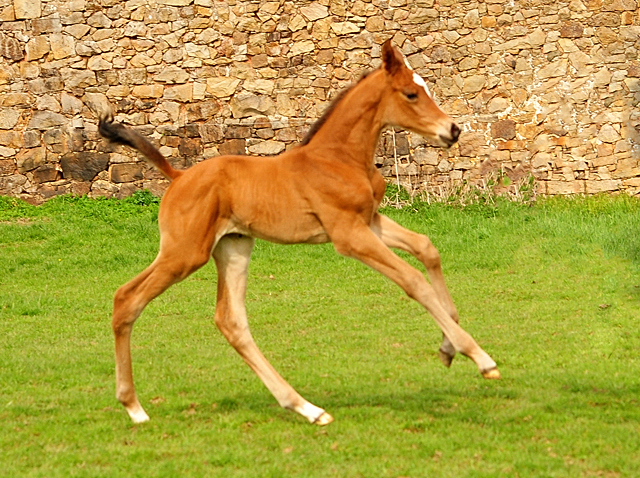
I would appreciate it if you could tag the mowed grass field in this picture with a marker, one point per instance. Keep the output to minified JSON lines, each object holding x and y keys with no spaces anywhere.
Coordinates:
{"x":550,"y":290}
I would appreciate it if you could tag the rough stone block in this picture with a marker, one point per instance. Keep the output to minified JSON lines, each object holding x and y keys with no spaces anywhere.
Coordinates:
{"x":30,"y":159}
{"x":244,"y":105}
{"x":237,"y":132}
{"x":133,"y":76}
{"x":426,"y":156}
{"x":102,"y":188}
{"x":11,"y":139}
{"x":440,"y":53}
{"x":9,"y":118}
{"x":45,"y":120}
{"x":125,"y":172}
{"x":505,"y":129}
{"x":608,"y":134}
{"x":13,"y":184}
{"x":553,"y":70}
{"x":148,"y":91}
{"x":84,"y":165}
{"x":564,"y":187}
{"x":541,"y":161}
{"x":474,"y":83}
{"x":190,"y":147}
{"x":233,"y":146}
{"x":604,"y":185}
{"x":46,"y":25}
{"x":626,"y":168}
{"x":46,"y":173}
{"x":210,"y":133}
{"x":571,"y":29}
{"x":73,"y":78}
{"x":62,"y":45}
{"x":25,"y":9}
{"x":180,"y":93}
{"x":97,"y":63}
{"x":37,"y":48}
{"x":606,"y":20}
{"x":99,"y":20}
{"x":7,"y":166}
{"x":10,"y":48}
{"x":31,"y":139}
{"x":222,"y":87}
{"x":633,"y":84}
{"x":314,"y":12}
{"x":172,"y":74}
{"x":267,"y":148}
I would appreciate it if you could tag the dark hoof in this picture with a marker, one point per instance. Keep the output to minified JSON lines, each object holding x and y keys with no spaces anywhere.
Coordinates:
{"x":445,"y":358}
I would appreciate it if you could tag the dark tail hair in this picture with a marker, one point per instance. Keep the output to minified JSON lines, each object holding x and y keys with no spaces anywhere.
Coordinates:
{"x":119,"y":134}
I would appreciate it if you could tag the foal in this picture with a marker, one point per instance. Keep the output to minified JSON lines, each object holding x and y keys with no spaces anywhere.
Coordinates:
{"x":326,"y":190}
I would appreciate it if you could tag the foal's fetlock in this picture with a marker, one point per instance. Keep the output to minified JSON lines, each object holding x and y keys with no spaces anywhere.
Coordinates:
{"x":447,"y":352}
{"x":446,"y":357}
{"x":133,"y":407}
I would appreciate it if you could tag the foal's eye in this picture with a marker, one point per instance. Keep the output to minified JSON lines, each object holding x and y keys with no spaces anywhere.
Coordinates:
{"x":411,"y":96}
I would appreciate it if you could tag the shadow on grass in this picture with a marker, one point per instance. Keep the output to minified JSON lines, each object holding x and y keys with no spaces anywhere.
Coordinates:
{"x":564,"y":399}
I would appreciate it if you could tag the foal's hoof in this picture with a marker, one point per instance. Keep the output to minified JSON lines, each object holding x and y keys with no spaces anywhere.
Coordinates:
{"x":445,"y":358}
{"x":493,"y":374}
{"x":323,"y":419}
{"x":138,"y":416}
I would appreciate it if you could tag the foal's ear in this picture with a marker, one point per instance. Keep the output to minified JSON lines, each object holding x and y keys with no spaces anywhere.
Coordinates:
{"x":392,"y":59}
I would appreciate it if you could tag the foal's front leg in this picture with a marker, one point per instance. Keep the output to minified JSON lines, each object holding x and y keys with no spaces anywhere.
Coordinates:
{"x":232,"y":255}
{"x":353,"y":238}
{"x":421,"y":247}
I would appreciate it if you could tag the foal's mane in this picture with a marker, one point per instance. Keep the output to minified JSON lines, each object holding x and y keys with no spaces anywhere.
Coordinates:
{"x":330,"y":109}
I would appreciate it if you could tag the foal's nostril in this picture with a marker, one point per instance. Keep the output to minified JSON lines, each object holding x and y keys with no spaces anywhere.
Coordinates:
{"x":455,"y":132}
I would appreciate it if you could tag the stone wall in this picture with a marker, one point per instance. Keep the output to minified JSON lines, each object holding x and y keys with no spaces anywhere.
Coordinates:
{"x":548,"y":87}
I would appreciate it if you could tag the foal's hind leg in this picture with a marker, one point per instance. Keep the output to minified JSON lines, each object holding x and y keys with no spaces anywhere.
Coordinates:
{"x":232,"y":255}
{"x":419,"y":245}
{"x":129,"y":301}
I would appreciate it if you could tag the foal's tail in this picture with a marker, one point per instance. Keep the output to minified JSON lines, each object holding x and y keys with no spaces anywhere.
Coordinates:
{"x":119,"y":134}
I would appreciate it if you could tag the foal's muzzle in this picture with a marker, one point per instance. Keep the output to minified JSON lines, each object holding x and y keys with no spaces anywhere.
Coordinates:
{"x":454,"y":134}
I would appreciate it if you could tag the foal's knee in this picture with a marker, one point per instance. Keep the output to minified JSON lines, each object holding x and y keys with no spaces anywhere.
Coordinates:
{"x":429,"y":255}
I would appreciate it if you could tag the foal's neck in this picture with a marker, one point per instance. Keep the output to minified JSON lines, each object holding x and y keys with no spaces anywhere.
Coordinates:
{"x":353,"y":129}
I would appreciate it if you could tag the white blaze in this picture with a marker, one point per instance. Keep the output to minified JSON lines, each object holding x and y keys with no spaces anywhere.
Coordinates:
{"x":417,"y":79}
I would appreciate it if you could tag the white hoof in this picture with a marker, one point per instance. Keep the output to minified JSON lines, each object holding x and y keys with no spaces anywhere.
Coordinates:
{"x":323,"y":419}
{"x":138,"y":416}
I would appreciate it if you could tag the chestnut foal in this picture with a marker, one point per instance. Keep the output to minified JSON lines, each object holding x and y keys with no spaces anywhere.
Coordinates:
{"x":326,"y":190}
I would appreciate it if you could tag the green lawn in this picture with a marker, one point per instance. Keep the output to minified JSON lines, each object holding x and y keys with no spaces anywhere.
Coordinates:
{"x":550,"y":290}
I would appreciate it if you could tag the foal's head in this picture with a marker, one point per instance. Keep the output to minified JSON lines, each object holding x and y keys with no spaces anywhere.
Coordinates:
{"x":409,"y":103}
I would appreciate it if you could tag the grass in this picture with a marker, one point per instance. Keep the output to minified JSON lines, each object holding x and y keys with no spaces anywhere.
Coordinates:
{"x":551,"y":290}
